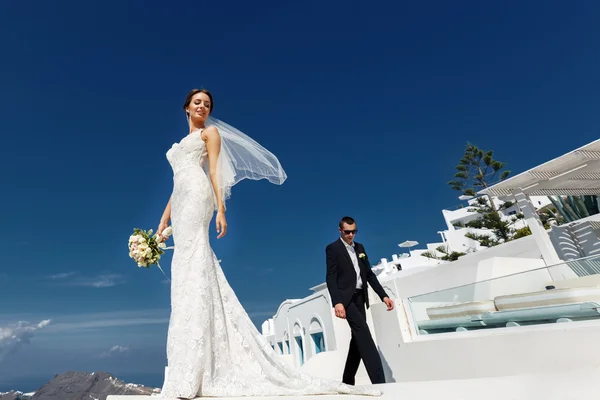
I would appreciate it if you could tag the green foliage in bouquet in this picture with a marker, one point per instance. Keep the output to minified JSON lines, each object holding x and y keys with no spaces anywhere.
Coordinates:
{"x":146,"y":248}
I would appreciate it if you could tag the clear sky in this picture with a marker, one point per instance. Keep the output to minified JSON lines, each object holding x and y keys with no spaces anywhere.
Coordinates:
{"x":368,"y":106}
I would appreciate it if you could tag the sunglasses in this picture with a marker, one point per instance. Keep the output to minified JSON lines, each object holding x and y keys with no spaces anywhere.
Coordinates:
{"x":347,"y":231}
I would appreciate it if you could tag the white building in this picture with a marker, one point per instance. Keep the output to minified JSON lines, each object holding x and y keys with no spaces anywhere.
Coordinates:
{"x":491,"y":313}
{"x":458,"y":219}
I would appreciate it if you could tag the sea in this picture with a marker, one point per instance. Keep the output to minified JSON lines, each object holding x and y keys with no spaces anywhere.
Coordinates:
{"x":32,"y":383}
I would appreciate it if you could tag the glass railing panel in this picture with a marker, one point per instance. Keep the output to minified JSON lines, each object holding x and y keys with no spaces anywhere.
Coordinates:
{"x":566,"y":292}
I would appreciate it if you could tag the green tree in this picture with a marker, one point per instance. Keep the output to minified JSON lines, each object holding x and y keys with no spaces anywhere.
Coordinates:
{"x":492,"y":219}
{"x":477,"y":170}
{"x":453,"y":256}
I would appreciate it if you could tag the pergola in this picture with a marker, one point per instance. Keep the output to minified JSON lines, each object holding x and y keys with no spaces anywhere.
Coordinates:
{"x":575,"y":173}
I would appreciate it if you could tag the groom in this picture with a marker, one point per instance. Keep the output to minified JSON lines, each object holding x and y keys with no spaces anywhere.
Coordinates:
{"x":348,"y":276}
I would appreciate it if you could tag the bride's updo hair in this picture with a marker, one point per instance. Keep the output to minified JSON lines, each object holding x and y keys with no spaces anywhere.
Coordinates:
{"x":194,"y":92}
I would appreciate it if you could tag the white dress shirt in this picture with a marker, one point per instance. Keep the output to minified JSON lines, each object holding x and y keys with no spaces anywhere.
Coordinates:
{"x":354,"y":258}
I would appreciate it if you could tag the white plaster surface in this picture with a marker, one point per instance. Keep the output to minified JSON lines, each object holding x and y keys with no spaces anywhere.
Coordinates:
{"x":567,"y":385}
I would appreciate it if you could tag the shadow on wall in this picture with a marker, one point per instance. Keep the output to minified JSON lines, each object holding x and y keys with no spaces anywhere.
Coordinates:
{"x":389,"y":374}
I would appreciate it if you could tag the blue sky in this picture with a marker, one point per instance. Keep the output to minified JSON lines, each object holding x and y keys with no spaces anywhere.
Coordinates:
{"x":368,"y":107}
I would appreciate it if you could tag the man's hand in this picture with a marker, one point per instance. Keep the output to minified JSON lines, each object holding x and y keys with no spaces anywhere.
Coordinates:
{"x":340,"y":311}
{"x":389,"y":303}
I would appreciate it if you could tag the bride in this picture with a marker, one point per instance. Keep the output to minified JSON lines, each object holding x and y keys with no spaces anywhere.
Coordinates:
{"x":213,"y":348}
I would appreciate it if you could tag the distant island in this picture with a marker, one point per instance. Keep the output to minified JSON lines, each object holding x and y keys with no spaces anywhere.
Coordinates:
{"x":80,"y":385}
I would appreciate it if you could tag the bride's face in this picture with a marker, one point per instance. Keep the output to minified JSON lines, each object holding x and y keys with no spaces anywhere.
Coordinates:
{"x":199,"y":107}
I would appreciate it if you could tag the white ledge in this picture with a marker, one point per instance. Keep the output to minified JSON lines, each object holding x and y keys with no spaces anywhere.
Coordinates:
{"x":571,"y":385}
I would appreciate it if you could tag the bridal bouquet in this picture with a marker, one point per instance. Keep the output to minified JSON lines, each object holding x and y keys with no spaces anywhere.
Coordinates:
{"x":146,"y":248}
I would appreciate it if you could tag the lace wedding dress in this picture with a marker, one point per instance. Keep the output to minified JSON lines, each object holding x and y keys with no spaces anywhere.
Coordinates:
{"x":213,"y":348}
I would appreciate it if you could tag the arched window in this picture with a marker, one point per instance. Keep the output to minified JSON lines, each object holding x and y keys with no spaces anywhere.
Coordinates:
{"x":317,"y":335}
{"x":299,"y":342}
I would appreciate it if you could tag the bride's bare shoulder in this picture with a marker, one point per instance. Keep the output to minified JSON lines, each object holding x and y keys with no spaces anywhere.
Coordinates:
{"x":210,"y":133}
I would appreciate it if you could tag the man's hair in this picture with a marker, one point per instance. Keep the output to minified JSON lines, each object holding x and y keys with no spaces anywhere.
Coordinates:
{"x":347,"y":220}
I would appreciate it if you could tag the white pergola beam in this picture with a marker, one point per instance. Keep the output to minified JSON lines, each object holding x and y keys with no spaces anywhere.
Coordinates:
{"x":592,"y":155}
{"x":565,"y":192}
{"x":578,"y":174}
{"x":575,"y":173}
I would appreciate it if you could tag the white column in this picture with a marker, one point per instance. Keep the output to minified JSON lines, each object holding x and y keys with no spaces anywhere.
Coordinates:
{"x":443,"y":236}
{"x":542,"y":239}
{"x":447,"y":220}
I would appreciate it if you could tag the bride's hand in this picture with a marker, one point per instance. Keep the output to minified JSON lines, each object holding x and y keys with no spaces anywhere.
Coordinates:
{"x":221,"y":224}
{"x":161,"y":227}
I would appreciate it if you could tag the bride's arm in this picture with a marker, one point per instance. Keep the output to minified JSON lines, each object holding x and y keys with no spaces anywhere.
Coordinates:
{"x":164,"y":220}
{"x":167,"y":213}
{"x":213,"y":147}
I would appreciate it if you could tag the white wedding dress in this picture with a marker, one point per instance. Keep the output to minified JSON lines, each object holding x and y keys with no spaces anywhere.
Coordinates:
{"x":213,"y":348}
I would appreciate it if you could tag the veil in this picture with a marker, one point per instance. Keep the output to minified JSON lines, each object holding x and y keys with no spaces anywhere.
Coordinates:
{"x":241,"y":157}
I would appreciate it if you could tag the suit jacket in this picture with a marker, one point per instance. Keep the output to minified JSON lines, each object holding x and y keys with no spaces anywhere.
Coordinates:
{"x":341,"y":275}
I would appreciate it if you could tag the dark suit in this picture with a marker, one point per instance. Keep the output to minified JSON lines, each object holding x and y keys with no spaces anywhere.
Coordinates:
{"x":341,"y":283}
